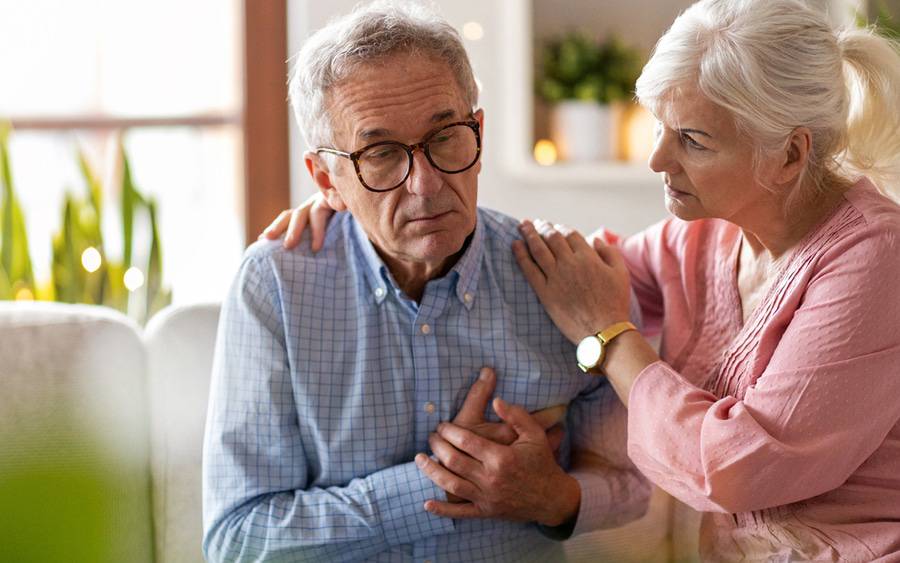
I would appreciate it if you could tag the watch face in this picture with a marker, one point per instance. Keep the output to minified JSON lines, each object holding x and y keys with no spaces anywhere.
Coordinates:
{"x":589,"y":351}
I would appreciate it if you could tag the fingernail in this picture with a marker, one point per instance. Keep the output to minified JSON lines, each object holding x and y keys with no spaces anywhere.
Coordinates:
{"x":485,"y":374}
{"x":421,"y":460}
{"x":441,"y":427}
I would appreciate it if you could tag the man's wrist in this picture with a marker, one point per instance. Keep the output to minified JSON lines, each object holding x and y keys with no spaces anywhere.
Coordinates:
{"x":568,"y":496}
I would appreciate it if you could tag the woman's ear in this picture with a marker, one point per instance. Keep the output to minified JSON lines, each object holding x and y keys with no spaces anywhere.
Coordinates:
{"x":321,"y":175}
{"x":795,"y":156}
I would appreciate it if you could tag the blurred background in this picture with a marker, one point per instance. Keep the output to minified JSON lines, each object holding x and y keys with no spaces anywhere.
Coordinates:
{"x":192,"y":95}
{"x":144,"y":145}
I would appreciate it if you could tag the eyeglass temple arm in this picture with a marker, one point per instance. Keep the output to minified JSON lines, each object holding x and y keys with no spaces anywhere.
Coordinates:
{"x":332,"y":151}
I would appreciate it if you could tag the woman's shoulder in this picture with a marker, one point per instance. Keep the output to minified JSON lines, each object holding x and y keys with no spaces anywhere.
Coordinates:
{"x":682,"y":240}
{"x":877,"y":212}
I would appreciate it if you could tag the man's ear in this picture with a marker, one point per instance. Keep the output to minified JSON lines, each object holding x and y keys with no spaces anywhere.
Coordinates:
{"x":321,"y":175}
{"x":479,"y":117}
{"x":795,"y":156}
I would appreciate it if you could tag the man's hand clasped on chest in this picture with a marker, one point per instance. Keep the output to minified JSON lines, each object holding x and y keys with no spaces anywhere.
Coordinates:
{"x":502,"y":469}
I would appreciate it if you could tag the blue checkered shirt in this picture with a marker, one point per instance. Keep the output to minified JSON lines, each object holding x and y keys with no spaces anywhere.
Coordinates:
{"x":328,"y":381}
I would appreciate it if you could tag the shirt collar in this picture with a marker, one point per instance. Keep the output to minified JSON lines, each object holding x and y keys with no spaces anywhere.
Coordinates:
{"x":380,"y":281}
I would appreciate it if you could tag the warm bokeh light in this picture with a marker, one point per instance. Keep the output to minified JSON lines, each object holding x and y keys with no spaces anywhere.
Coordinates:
{"x":473,"y":31}
{"x":91,"y":259}
{"x":637,"y":129}
{"x":24,"y":294}
{"x":545,"y":152}
{"x":134,"y":279}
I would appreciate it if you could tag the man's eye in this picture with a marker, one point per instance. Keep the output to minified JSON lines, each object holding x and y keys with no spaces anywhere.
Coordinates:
{"x":381,"y":154}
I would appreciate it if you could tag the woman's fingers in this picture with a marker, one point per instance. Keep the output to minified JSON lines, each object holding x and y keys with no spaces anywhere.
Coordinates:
{"x":555,"y":238}
{"x":318,"y":222}
{"x":609,"y":253}
{"x":529,"y":267}
{"x":537,"y":246}
{"x":299,"y":217}
{"x":276,"y":227}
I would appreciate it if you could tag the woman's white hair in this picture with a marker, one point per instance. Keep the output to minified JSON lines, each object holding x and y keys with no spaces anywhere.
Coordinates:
{"x":370,"y":33}
{"x":776,"y":65}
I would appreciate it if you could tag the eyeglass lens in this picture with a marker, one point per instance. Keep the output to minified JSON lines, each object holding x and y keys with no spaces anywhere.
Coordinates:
{"x":385,"y":166}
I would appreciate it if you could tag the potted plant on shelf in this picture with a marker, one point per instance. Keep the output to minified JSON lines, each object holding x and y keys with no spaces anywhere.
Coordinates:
{"x":583,"y":80}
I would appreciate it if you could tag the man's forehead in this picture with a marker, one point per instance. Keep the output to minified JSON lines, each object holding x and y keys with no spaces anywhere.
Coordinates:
{"x":373,"y":132}
{"x":398,"y":96}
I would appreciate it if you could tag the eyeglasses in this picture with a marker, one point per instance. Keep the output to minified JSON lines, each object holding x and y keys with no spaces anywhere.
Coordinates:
{"x":385,"y":165}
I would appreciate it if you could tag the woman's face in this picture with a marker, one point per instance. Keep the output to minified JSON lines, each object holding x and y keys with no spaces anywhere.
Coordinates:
{"x":707,"y":166}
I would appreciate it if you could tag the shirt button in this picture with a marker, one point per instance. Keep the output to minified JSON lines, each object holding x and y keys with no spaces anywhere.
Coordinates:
{"x":379,"y":291}
{"x":426,"y":328}
{"x":430,"y":408}
{"x":468,"y":297}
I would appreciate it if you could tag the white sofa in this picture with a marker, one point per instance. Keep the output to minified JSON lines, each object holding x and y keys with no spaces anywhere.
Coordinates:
{"x":101,"y":427}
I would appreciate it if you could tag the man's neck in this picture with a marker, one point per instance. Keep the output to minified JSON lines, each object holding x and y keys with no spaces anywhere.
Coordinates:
{"x":412,"y":277}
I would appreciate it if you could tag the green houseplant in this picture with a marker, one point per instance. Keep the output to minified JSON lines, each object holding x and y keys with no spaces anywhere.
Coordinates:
{"x":81,"y":270}
{"x":583,"y":80}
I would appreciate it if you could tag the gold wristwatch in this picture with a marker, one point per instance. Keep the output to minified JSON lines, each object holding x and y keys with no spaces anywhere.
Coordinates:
{"x":591,"y":350}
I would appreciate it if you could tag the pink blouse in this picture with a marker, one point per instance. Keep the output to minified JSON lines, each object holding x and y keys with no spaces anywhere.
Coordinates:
{"x":784,"y":430}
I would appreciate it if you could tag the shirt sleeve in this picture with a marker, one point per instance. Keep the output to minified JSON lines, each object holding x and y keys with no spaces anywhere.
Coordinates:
{"x":613,"y":491}
{"x":258,"y":503}
{"x":823,"y":404}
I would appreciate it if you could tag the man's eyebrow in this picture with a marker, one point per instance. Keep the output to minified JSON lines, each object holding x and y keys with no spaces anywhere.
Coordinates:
{"x":378,"y":132}
{"x":443,"y":115}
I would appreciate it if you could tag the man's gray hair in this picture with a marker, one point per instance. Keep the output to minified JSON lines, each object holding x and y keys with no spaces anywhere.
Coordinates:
{"x":371,"y":32}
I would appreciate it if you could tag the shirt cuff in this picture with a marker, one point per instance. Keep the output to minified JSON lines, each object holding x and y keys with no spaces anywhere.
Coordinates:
{"x":400,"y":493}
{"x":595,"y":501}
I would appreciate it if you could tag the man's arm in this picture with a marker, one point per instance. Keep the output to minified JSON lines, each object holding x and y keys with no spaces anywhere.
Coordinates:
{"x":257,"y":500}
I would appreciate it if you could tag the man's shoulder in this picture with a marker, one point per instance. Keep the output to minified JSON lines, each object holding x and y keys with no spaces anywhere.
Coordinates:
{"x":333,"y":247}
{"x":299,"y":266}
{"x":499,"y":228}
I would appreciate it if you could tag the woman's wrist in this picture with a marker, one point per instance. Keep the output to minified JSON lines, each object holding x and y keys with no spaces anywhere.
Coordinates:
{"x":628,"y":355}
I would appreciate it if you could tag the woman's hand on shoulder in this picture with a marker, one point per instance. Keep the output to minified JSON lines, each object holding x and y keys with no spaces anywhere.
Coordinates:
{"x":314,"y":212}
{"x":584,"y":286}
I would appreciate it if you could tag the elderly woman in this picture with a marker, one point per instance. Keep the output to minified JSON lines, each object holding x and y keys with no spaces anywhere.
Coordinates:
{"x":773,"y":404}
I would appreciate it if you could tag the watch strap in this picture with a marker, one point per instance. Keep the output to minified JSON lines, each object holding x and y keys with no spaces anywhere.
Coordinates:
{"x":613,"y":331}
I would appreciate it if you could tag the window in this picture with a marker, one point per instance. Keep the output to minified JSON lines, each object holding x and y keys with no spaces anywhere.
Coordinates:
{"x":168,"y":76}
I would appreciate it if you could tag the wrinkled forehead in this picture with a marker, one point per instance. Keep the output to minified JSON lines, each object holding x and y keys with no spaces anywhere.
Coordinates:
{"x":394,"y":97}
{"x":685,"y":106}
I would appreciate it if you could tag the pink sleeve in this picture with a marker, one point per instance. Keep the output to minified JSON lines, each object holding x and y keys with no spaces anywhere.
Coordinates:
{"x":823,"y":404}
{"x":642,"y":253}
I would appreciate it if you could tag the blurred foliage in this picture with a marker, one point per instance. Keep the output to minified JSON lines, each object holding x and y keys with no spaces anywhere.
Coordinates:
{"x":575,"y":67}
{"x":81,"y":229}
{"x":16,"y":276}
{"x":885,"y":23}
{"x":67,"y":498}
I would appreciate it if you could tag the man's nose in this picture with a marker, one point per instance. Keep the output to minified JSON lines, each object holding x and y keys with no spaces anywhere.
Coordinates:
{"x":424,"y":179}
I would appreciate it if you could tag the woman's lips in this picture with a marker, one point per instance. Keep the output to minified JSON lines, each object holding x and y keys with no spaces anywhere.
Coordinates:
{"x":672,"y":192}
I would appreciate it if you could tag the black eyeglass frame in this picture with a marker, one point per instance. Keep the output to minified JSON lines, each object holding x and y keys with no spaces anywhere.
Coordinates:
{"x":410,"y":149}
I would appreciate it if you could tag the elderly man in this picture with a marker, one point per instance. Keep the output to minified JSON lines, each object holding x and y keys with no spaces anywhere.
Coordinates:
{"x":334,"y":371}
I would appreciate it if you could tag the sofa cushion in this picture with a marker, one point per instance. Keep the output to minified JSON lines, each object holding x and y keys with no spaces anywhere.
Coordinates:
{"x":180,"y":342}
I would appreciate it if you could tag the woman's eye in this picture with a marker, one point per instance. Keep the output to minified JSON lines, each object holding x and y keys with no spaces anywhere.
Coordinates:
{"x":689,"y":141}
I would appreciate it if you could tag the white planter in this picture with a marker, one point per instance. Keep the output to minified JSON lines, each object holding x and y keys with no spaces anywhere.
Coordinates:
{"x":583,"y":131}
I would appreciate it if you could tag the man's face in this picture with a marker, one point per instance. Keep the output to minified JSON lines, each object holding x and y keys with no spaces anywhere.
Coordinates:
{"x":402,"y":98}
